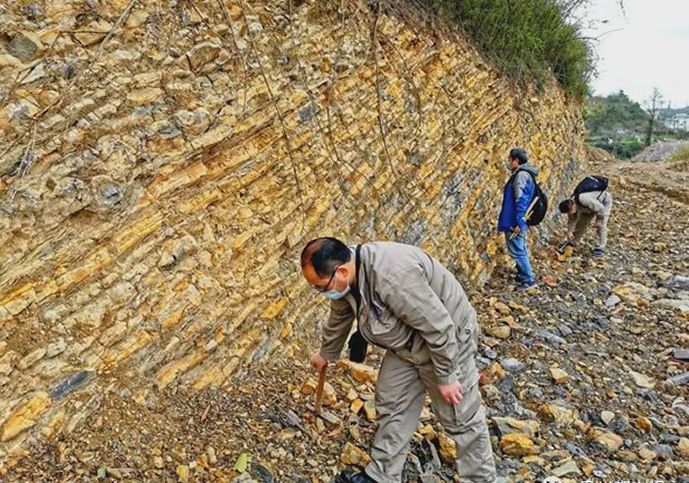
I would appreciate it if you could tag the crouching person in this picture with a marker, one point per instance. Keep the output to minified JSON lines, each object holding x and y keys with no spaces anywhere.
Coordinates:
{"x":590,"y":205}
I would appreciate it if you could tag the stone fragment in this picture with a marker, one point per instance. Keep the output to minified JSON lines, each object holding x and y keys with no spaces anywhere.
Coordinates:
{"x":22,"y":47}
{"x":646,"y":454}
{"x":448,"y":448}
{"x":428,"y":432}
{"x":70,"y":384}
{"x":610,"y":441}
{"x":559,"y":415}
{"x":25,"y":416}
{"x":356,"y":406}
{"x":31,"y":358}
{"x":642,"y":423}
{"x":518,"y":444}
{"x":642,"y":380}
{"x":569,"y":468}
{"x":182,"y":473}
{"x":204,"y":52}
{"x":93,"y":32}
{"x":212,"y":457}
{"x":502,"y":308}
{"x":370,"y":410}
{"x":500,"y":331}
{"x":559,"y":376}
{"x":360,"y":372}
{"x":607,"y":416}
{"x":145,"y":95}
{"x":512,"y":365}
{"x":56,"y":348}
{"x":683,"y":447}
{"x":352,"y":455}
{"x":509,"y":425}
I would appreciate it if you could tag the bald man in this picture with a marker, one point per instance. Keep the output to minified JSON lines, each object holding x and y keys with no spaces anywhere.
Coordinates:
{"x":408,"y":303}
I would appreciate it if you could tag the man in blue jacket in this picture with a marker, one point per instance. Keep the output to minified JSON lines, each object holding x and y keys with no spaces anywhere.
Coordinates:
{"x":518,"y":194}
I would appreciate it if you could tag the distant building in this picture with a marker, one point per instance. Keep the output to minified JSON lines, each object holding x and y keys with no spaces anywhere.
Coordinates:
{"x":678,"y":121}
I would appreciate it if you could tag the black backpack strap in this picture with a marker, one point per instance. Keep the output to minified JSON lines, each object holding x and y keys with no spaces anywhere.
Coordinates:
{"x":357,"y":265}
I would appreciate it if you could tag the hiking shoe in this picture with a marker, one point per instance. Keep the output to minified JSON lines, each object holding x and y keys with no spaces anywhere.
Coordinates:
{"x":527,"y":285}
{"x":598,"y":252}
{"x":361,"y":477}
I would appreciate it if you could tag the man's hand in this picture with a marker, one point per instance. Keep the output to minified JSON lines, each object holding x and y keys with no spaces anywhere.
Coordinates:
{"x":451,"y":393}
{"x":318,"y":362}
{"x":597,"y":224}
{"x":516,"y":230}
{"x":570,"y":235}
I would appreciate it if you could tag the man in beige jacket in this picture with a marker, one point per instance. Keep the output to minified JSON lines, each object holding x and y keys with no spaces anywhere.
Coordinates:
{"x":408,"y":303}
{"x":584,"y":210}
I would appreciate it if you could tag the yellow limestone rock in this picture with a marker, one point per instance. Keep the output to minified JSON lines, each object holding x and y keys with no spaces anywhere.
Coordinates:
{"x":361,"y":372}
{"x":183,"y":473}
{"x":643,"y":423}
{"x":428,"y":432}
{"x":25,"y":416}
{"x":611,"y":441}
{"x":370,"y":410}
{"x":559,"y":376}
{"x":448,"y":448}
{"x":145,"y":95}
{"x":329,"y":393}
{"x":518,"y":444}
{"x":502,"y":308}
{"x":356,"y":405}
{"x":500,"y":332}
{"x":647,"y":454}
{"x":560,"y":416}
{"x":352,"y":455}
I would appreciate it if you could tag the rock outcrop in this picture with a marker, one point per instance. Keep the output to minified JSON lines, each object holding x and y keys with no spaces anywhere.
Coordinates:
{"x":162,"y":162}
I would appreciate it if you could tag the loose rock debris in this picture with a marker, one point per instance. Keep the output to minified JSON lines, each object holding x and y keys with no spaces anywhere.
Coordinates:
{"x":584,"y":377}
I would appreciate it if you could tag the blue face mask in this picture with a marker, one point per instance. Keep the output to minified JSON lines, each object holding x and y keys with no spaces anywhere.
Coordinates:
{"x":335,"y":295}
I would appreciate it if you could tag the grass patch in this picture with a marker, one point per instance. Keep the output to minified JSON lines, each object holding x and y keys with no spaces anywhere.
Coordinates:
{"x":681,"y":155}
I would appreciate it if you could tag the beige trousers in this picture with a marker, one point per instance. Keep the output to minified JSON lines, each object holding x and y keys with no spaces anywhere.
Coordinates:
{"x":400,"y":395}
{"x":584,"y":221}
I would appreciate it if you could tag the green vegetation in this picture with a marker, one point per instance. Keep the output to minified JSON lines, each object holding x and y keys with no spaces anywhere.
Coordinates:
{"x":616,"y":124}
{"x":681,"y":155}
{"x":620,"y":126}
{"x":527,"y":39}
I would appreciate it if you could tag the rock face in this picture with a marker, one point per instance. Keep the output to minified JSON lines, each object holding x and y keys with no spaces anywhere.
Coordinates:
{"x":162,"y":165}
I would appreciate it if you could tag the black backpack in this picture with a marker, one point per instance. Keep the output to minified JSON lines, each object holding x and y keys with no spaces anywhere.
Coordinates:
{"x":537,"y":212}
{"x":589,"y":184}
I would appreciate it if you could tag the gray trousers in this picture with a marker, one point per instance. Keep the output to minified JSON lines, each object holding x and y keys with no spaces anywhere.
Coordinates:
{"x":400,"y":394}
{"x":584,"y":222}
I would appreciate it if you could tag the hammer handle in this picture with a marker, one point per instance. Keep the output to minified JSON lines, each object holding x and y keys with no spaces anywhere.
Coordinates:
{"x":319,"y":390}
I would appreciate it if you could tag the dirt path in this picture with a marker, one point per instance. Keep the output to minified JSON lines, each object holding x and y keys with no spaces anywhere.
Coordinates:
{"x":577,"y":368}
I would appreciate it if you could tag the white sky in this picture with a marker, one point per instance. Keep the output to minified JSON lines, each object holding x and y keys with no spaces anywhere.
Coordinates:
{"x":651,"y":49}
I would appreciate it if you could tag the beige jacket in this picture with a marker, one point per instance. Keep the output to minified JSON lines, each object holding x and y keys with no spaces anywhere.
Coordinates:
{"x":597,"y":203}
{"x":410,"y":304}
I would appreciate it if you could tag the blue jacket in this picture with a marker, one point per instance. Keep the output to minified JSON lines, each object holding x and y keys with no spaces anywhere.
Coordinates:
{"x":518,"y":194}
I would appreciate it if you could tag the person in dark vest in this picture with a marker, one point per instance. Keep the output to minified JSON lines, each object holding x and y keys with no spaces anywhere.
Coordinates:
{"x":518,"y":194}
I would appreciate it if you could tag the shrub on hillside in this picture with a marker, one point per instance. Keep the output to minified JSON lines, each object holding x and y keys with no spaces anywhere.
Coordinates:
{"x":527,"y":39}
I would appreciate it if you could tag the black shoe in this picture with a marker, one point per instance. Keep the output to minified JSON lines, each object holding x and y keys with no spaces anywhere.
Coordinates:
{"x":361,"y":477}
{"x":347,"y":477}
{"x":598,"y":252}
